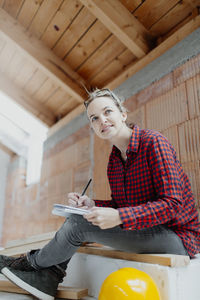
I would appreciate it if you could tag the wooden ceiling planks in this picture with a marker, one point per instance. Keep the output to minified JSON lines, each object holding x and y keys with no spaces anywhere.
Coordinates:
{"x":13,"y":7}
{"x":151,"y":11}
{"x":15,"y":66}
{"x":28,"y":11}
{"x":61,"y":22}
{"x":178,"y":13}
{"x":42,"y":18}
{"x":110,"y":49}
{"x":94,"y":55}
{"x":6,"y":56}
{"x":35,"y":82}
{"x":87,"y":46}
{"x":45,"y":91}
{"x":119,"y":63}
{"x":122,"y":24}
{"x":74,"y":33}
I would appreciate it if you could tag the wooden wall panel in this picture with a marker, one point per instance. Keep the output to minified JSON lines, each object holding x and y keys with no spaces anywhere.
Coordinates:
{"x":15,"y":66}
{"x":168,"y":110}
{"x":25,"y":73}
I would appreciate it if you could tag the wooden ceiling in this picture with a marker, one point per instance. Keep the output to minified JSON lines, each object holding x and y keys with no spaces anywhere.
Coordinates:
{"x":50,"y":49}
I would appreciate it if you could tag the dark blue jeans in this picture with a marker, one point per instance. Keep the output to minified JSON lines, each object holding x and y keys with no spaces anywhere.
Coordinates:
{"x":76,"y":230}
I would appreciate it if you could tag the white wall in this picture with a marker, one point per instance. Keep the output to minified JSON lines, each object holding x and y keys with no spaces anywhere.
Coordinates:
{"x":4,"y":162}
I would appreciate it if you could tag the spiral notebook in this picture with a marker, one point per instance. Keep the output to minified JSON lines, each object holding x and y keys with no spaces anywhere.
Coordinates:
{"x":64,"y":210}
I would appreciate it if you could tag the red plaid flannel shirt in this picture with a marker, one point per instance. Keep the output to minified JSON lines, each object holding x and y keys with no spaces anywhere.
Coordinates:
{"x":151,"y":188}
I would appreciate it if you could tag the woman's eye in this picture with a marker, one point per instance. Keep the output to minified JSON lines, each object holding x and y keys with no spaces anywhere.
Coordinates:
{"x":94,"y":119}
{"x":107,"y":111}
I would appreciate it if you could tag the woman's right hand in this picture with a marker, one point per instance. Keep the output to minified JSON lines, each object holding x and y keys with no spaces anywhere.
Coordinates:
{"x":76,"y":200}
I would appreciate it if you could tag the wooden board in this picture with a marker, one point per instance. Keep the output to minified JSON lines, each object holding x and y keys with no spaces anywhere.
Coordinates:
{"x":64,"y":292}
{"x":170,"y":260}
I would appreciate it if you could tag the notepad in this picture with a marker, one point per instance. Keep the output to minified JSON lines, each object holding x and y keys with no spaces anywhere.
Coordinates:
{"x":64,"y":210}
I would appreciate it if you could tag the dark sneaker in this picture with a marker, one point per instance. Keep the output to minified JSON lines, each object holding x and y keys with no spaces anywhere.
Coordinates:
{"x":42,"y":283}
{"x":5,"y":261}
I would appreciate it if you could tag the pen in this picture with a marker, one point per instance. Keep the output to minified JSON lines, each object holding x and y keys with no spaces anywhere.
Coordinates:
{"x":85,"y":189}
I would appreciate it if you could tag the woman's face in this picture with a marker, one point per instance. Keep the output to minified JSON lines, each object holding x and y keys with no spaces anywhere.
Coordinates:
{"x":105,"y":117}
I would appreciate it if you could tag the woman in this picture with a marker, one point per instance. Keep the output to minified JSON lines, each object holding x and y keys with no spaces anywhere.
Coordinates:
{"x":152,"y":209}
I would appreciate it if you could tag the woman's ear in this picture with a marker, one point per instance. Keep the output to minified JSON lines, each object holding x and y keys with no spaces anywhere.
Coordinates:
{"x":124,"y":116}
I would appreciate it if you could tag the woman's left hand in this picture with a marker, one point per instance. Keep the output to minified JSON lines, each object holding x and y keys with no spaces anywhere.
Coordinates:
{"x":104,"y":217}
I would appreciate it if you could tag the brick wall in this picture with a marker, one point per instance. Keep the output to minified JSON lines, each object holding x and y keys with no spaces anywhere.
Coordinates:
{"x":170,"y":105}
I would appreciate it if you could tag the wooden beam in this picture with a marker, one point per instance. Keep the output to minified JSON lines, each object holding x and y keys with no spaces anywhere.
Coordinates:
{"x":19,"y":96}
{"x":64,"y":292}
{"x":171,"y":41}
{"x":41,"y":56}
{"x":121,"y":23}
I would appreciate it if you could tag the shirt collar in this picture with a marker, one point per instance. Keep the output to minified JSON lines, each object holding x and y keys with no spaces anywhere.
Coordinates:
{"x":133,"y":144}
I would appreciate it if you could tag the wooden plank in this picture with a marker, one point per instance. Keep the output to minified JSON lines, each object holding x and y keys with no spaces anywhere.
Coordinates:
{"x":122,"y":24}
{"x":119,"y":63}
{"x":41,"y":56}
{"x":66,"y":107}
{"x":43,"y":16}
{"x":26,"y":101}
{"x":108,"y":51}
{"x":6,"y":56}
{"x":46,"y":90}
{"x":155,"y":53}
{"x":171,"y":260}
{"x":161,"y":259}
{"x":131,"y":5}
{"x":60,"y":22}
{"x":176,"y":15}
{"x":64,"y":292}
{"x":90,"y":42}
{"x":57,"y":99}
{"x":28,"y":11}
{"x":13,"y":7}
{"x":25,"y":73}
{"x":13,"y":70}
{"x":35,"y":82}
{"x":152,"y":11}
{"x":74,"y":33}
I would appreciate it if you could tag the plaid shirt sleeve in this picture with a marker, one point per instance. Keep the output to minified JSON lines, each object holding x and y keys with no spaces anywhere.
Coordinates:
{"x":167,"y":187}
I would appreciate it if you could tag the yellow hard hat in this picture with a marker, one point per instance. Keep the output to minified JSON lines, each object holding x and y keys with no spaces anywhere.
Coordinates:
{"x":129,"y":283}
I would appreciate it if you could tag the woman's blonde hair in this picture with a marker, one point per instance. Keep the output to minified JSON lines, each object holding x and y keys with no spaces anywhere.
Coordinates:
{"x":97,"y":93}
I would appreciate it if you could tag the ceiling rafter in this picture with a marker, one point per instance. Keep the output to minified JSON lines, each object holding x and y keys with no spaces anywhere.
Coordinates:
{"x":122,"y":24}
{"x":19,"y":96}
{"x":42,"y":57}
